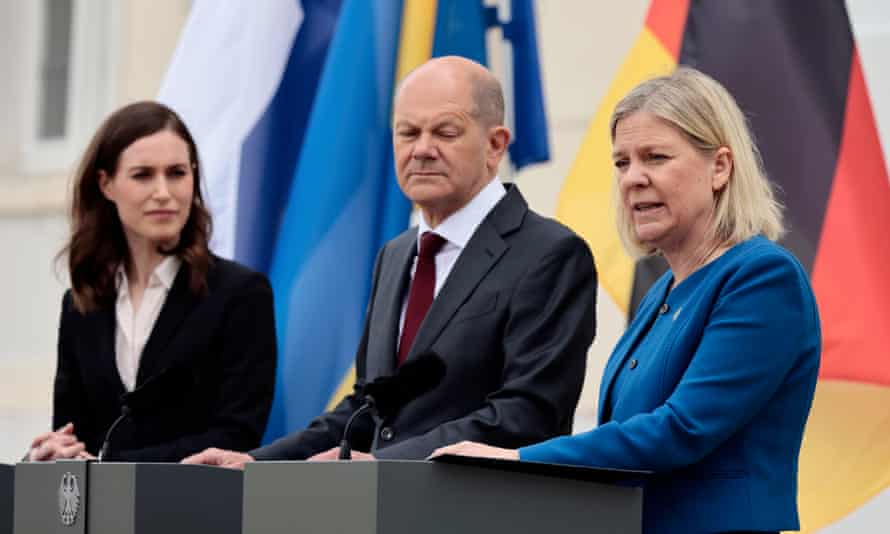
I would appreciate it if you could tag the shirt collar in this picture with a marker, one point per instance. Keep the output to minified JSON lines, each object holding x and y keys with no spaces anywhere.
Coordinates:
{"x":164,"y":274}
{"x":166,"y":271}
{"x":459,"y":227}
{"x":120,"y":279}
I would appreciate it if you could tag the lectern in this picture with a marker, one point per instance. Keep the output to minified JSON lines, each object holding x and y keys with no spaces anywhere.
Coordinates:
{"x":459,"y":495}
{"x":79,"y":497}
{"x":7,"y":481}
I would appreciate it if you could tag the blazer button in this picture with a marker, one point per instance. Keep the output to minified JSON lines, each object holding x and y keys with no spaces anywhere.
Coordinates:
{"x":386,"y":433}
{"x":634,"y":363}
{"x":664,"y":309}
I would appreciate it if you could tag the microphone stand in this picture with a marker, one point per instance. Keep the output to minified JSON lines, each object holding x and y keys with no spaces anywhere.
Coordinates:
{"x":106,"y":445}
{"x":385,"y":395}
{"x":370,"y":405}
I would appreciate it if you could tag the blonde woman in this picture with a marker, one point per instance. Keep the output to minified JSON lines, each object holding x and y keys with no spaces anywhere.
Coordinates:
{"x":711,"y":385}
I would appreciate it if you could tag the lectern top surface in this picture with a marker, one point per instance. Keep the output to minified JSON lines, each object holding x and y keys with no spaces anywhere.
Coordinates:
{"x":625,"y":477}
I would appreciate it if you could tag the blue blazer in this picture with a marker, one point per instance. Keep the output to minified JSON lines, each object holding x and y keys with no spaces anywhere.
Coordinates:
{"x":717,"y":401}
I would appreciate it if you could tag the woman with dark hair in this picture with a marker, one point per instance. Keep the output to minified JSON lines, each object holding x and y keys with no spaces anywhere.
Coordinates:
{"x":155,"y":331}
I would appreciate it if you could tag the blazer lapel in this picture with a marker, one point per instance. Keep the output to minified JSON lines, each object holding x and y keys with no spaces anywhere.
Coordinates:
{"x":482,"y":252}
{"x":626,"y":344}
{"x":394,"y":278}
{"x":179,"y":303}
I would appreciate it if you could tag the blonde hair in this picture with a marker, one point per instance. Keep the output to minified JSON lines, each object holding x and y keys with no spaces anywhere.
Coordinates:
{"x":709,"y":117}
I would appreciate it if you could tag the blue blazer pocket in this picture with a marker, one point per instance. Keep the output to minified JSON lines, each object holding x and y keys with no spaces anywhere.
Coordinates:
{"x":477,"y":307}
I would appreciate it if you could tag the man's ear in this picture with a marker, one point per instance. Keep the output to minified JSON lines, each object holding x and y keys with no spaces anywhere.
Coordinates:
{"x":498,"y":141}
{"x":722,"y":168}
{"x":105,"y":185}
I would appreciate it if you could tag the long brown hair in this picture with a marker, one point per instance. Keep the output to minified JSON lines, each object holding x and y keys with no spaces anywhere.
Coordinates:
{"x":97,"y":245}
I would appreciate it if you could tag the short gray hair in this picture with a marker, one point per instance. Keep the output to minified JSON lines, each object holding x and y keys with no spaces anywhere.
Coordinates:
{"x":488,"y":99}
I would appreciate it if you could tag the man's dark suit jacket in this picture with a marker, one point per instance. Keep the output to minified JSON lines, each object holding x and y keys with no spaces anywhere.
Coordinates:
{"x":206,"y":375}
{"x":512,"y":323}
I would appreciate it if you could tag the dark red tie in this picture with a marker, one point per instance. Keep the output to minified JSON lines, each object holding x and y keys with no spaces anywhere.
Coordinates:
{"x":420,"y":296}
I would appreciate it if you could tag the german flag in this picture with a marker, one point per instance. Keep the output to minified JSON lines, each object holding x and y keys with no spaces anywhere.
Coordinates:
{"x":796,"y":73}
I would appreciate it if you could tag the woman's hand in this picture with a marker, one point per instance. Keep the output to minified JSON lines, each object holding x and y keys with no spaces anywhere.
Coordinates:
{"x":62,"y":443}
{"x":471,"y":448}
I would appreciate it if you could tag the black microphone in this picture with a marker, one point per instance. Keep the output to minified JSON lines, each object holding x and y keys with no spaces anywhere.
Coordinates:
{"x":106,"y":443}
{"x":411,"y":380}
{"x":159,"y":391}
{"x":148,"y":396}
{"x":385,"y":395}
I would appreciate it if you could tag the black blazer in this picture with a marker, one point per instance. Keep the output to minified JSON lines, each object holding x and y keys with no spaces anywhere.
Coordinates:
{"x":513,"y":323}
{"x":206,"y":375}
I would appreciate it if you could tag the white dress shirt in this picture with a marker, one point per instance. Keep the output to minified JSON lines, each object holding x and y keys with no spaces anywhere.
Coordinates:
{"x":134,"y":326}
{"x":457,"y":229}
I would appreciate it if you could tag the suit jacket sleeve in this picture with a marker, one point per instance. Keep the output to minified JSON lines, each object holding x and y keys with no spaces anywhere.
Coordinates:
{"x":69,"y":397}
{"x":549,"y":328}
{"x":247,"y":376}
{"x":326,"y":430}
{"x":760,"y":328}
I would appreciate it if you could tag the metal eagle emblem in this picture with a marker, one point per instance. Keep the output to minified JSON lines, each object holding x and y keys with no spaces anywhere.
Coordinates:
{"x":69,"y":499}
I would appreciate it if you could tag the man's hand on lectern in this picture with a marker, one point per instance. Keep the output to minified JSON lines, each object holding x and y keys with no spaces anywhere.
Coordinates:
{"x":220,"y":458}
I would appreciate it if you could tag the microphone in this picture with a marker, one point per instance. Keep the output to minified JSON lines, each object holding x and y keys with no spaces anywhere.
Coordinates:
{"x":149,"y":395}
{"x":385,"y":395}
{"x":159,"y":391}
{"x":411,"y":380}
{"x":106,"y":443}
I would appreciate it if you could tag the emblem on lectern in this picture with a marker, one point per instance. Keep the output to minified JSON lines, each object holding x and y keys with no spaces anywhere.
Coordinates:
{"x":69,"y":499}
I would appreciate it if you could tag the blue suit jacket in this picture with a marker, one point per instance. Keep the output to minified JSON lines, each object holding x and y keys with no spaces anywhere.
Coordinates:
{"x":717,"y":409}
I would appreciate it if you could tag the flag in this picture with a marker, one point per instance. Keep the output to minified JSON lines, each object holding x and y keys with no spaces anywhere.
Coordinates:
{"x":531,"y":144}
{"x":316,"y":371}
{"x":342,"y":206}
{"x":585,"y":201}
{"x":461,"y":27}
{"x":271,"y":153}
{"x":248,"y":117}
{"x":298,"y":161}
{"x":798,"y":77}
{"x":221,"y":91}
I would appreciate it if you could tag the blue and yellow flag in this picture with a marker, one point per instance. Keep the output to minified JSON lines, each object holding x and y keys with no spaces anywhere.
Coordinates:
{"x":342,"y":206}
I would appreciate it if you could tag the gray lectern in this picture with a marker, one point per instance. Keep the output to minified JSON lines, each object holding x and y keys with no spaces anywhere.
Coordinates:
{"x":7,"y":481}
{"x":78,"y":497}
{"x":402,"y":497}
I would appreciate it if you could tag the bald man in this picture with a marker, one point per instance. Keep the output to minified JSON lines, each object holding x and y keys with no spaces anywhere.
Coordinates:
{"x":512,"y":293}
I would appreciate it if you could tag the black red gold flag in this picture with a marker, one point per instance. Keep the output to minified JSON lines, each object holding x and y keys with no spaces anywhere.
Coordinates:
{"x":797,"y":75}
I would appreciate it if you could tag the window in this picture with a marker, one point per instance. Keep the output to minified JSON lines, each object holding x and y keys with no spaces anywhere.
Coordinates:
{"x":55,"y":66}
{"x":70,"y":82}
